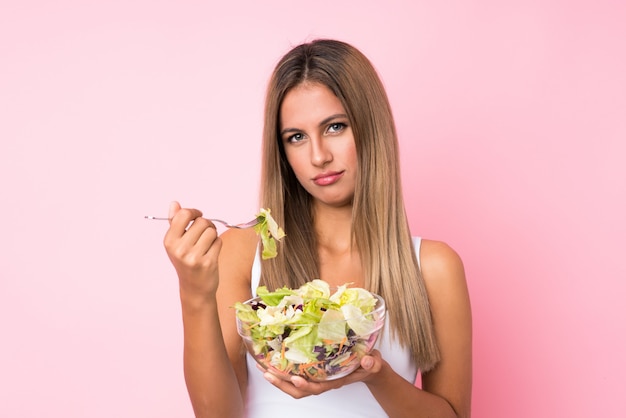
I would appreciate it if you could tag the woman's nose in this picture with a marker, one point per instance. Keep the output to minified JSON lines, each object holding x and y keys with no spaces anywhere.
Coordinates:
{"x":320,"y":153}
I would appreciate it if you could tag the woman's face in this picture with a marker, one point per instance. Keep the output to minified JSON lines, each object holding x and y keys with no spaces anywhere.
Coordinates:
{"x":319,"y":144}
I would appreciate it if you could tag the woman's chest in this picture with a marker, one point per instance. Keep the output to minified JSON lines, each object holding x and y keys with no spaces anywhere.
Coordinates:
{"x":341,"y":269}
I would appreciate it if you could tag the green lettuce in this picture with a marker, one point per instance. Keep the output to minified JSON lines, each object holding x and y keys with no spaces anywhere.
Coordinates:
{"x":273,"y":298}
{"x":270,"y":232}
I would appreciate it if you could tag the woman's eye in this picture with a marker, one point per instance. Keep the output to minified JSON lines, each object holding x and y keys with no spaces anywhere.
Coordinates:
{"x":295,"y":138}
{"x":336,"y":127}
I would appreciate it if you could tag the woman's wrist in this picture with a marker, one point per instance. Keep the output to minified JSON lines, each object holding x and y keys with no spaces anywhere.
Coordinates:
{"x":192,"y":302}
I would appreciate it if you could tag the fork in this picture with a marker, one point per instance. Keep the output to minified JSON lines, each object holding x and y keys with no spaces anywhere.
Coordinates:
{"x":244,"y":225}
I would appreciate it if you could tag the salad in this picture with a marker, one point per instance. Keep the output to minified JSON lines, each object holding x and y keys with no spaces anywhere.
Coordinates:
{"x":309,"y":331}
{"x":270,"y":232}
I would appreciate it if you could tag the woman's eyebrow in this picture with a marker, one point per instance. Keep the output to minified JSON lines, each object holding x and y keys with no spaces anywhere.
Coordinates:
{"x":288,"y":130}
{"x":322,"y":123}
{"x":333,"y":117}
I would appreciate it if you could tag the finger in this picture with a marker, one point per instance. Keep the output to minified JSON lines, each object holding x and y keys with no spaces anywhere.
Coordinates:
{"x":298,"y":387}
{"x":197,"y":228}
{"x":285,"y":386}
{"x":181,"y":220}
{"x":313,"y":388}
{"x":178,"y":229}
{"x":371,"y":364}
{"x":209,"y":242}
{"x":174,"y":207}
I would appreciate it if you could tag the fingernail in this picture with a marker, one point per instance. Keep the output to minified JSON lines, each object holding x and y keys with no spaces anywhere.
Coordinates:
{"x":269,"y":377}
{"x":367,"y":362}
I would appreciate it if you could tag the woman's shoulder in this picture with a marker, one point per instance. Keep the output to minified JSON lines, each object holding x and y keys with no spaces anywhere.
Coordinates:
{"x":237,"y":255}
{"x":440,"y":264}
{"x":239,"y":245}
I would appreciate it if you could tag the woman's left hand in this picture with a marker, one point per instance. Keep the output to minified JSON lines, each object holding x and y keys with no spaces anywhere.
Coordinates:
{"x":299,"y":387}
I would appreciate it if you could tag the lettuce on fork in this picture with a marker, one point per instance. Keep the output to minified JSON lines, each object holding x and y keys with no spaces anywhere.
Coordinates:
{"x":270,"y":232}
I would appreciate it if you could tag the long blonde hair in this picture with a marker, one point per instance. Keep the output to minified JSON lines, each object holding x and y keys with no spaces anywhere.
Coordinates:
{"x":379,"y":224}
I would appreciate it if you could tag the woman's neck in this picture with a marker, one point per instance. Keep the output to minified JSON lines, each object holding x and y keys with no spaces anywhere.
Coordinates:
{"x":333,"y":227}
{"x":339,"y":260}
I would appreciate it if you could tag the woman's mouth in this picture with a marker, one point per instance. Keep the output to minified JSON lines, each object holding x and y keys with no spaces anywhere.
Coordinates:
{"x":326,"y":179}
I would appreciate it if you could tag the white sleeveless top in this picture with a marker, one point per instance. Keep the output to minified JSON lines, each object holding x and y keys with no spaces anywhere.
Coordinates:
{"x":350,"y":401}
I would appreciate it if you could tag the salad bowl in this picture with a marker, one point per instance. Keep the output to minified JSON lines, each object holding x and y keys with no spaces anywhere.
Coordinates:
{"x":310,"y":332}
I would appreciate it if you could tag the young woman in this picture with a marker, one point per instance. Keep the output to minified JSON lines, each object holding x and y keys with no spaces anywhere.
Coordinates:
{"x":330,"y":178}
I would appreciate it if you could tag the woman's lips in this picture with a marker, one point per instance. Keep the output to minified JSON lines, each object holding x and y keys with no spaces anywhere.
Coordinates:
{"x":326,"y":179}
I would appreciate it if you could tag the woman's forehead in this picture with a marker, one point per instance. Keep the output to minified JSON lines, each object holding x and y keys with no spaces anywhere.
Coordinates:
{"x":308,"y":103}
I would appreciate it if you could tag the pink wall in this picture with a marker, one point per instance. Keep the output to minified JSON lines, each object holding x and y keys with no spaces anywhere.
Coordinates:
{"x":513,"y":127}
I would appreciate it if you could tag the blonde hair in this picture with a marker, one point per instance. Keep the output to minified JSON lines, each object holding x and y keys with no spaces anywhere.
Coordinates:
{"x":379,"y":224}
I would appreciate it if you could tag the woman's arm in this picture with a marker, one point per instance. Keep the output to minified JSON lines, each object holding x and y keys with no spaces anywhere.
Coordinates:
{"x":214,"y":365}
{"x":446,"y":390}
{"x":450,"y":306}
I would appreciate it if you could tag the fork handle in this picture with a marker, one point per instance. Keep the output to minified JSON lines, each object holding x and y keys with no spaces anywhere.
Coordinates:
{"x":226,"y":224}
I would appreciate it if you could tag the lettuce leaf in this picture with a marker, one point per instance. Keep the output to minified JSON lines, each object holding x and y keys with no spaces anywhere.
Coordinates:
{"x":270,"y":232}
{"x":273,"y":298}
{"x":314,"y":289}
{"x":332,"y":328}
{"x":357,"y":297}
{"x":360,"y":324}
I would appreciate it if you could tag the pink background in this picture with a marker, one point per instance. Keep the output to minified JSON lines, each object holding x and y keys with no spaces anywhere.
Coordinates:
{"x":512,"y":117}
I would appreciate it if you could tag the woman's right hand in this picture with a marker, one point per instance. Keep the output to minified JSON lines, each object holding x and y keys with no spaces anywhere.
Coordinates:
{"x":193,"y":246}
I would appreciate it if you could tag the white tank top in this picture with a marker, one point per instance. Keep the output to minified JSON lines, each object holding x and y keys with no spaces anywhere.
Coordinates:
{"x":350,"y":401}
